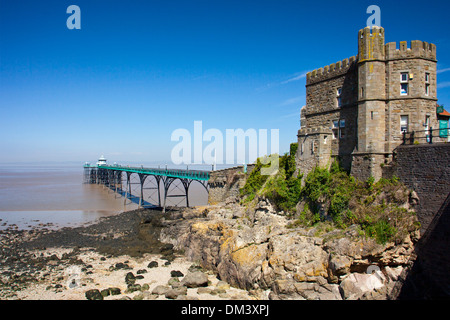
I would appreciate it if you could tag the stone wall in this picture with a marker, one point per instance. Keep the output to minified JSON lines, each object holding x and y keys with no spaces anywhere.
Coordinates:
{"x":367,"y":165}
{"x":344,"y":145}
{"x":226,"y":183}
{"x":428,"y":278}
{"x":314,"y":149}
{"x":322,"y":110}
{"x":426,"y":170}
{"x":322,"y":85}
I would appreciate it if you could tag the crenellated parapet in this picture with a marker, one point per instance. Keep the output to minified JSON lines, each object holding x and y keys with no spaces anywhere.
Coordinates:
{"x":313,"y":131}
{"x":333,"y":70}
{"x":393,"y":51}
{"x":417,"y":49}
{"x":371,"y":44}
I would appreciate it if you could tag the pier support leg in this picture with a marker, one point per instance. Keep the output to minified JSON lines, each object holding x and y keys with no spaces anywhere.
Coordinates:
{"x":186,"y":183}
{"x":167,"y":182}
{"x":128,"y":191}
{"x":158,"y":180}
{"x":142,"y":178}
{"x":117,"y":180}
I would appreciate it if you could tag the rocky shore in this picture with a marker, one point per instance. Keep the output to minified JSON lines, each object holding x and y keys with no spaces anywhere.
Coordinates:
{"x":215,"y":252}
{"x":119,"y":257}
{"x":261,"y":251}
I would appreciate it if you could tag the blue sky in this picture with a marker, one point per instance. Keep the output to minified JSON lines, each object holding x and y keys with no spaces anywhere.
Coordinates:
{"x":138,"y":70}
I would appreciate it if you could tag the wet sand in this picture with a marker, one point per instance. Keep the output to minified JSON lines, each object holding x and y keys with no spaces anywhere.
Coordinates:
{"x":56,"y":197}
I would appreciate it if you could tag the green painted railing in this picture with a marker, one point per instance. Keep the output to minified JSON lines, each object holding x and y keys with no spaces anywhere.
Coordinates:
{"x":172,"y":173}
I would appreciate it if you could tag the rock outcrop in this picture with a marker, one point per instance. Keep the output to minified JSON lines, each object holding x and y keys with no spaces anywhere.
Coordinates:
{"x":256,"y":250}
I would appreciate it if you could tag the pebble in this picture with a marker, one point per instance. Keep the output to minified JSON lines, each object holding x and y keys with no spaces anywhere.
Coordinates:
{"x":160,"y":290}
{"x":176,"y":273}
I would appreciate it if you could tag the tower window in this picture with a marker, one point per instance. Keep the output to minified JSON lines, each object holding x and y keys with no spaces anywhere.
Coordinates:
{"x":404,"y":89}
{"x":404,"y":122}
{"x":339,"y":98}
{"x":404,"y":76}
{"x":427,"y":84}
{"x":335,"y":129}
{"x":341,"y":129}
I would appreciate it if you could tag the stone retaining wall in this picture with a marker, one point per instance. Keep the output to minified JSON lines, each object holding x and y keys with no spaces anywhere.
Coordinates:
{"x":426,"y":170}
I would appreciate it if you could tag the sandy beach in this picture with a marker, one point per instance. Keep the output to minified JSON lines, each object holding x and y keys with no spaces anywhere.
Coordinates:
{"x":117,"y":258}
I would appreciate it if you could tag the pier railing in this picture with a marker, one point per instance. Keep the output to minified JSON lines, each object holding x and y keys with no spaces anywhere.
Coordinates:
{"x":173,"y":173}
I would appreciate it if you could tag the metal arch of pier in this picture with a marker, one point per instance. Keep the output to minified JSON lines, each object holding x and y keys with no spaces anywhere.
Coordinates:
{"x":112,"y":176}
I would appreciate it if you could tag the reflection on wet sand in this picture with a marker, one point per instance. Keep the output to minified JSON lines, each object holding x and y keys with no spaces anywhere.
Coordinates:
{"x":55,"y":197}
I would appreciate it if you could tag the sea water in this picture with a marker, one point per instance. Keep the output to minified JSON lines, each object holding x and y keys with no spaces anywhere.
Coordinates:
{"x":37,"y":194}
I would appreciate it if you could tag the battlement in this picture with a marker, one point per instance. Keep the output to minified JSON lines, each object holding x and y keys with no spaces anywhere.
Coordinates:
{"x":333,"y":70}
{"x":417,"y":49}
{"x":313,"y":131}
{"x":371,"y":44}
{"x":369,"y":32}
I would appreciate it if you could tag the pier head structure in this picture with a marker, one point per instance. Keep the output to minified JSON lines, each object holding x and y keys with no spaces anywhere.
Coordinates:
{"x":359,"y":109}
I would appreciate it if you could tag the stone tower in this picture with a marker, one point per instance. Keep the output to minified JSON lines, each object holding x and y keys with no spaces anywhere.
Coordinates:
{"x":370,"y":149}
{"x":358,"y":108}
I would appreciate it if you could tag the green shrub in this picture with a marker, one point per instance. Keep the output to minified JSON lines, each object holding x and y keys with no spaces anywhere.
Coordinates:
{"x":339,"y":203}
{"x":374,"y":206}
{"x":282,"y":188}
{"x":254,"y":182}
{"x":382,"y":231}
{"x":317,"y":184}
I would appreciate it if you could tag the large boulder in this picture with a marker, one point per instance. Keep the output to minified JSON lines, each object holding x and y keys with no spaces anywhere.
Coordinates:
{"x":338,"y":265}
{"x":355,"y":285}
{"x":301,"y":257}
{"x":195,"y":279}
{"x":290,"y":289}
{"x":241,"y":266}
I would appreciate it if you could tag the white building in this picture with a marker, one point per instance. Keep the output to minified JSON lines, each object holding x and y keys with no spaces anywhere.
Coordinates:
{"x":101,"y":161}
